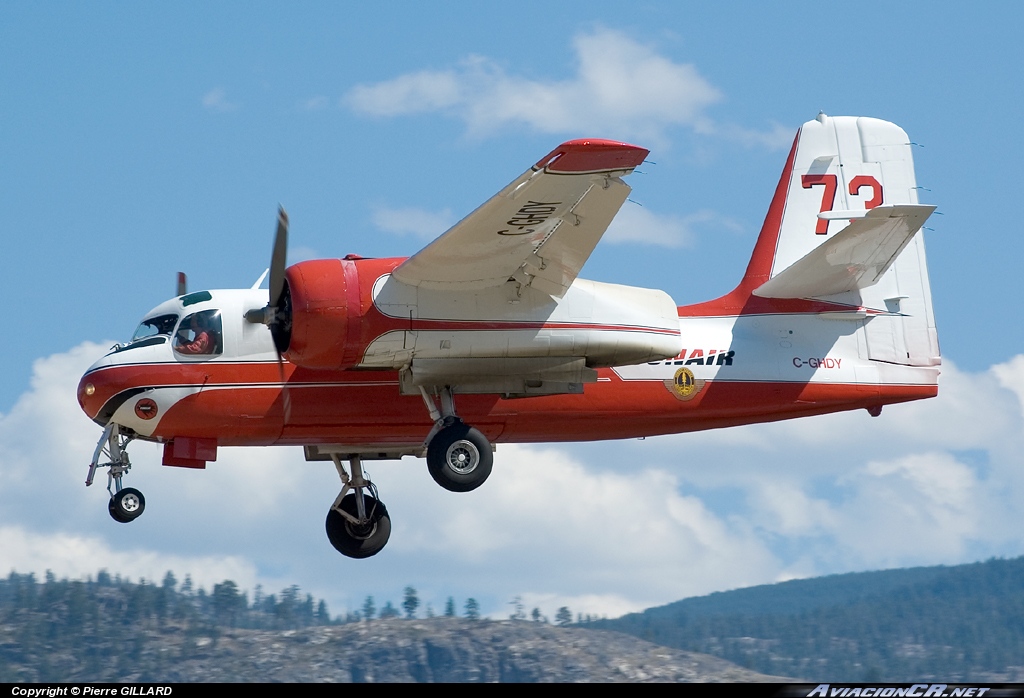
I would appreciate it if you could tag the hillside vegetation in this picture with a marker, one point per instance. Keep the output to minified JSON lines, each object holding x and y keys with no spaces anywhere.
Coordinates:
{"x":944,"y":623}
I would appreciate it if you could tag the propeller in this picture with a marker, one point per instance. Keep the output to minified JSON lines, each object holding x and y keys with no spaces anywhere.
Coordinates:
{"x":278,"y":259}
{"x":182,"y":284}
{"x":277,"y":314}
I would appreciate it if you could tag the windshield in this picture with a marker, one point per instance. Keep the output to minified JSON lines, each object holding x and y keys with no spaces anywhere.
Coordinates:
{"x":161,"y":324}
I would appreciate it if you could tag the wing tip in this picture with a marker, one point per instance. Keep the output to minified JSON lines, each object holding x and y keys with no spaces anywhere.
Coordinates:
{"x":592,"y":155}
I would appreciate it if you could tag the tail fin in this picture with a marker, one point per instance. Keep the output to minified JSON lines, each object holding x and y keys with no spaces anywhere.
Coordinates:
{"x":841,"y":236}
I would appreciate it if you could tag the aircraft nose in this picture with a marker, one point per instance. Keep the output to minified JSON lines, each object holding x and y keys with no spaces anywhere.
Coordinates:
{"x":95,"y":388}
{"x":87,"y":398}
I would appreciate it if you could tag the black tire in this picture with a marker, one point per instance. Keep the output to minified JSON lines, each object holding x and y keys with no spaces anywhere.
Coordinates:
{"x":359,"y":541}
{"x":127,"y":505}
{"x":459,"y":458}
{"x":113,"y":512}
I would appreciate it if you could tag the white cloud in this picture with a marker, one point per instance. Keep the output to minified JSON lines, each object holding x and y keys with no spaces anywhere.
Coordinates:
{"x":217,"y":100}
{"x":1011,"y":376}
{"x":410,"y":220}
{"x":638,"y":224}
{"x":301,"y":253}
{"x":315,"y":103}
{"x":777,"y":137}
{"x":929,"y":482}
{"x":409,"y":94}
{"x":621,"y":88}
{"x":77,"y":556}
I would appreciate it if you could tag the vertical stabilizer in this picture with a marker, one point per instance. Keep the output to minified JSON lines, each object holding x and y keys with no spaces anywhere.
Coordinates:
{"x":843,"y":167}
{"x":842,"y":234}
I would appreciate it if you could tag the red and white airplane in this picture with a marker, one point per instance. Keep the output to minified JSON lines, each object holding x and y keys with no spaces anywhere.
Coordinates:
{"x":488,"y":336}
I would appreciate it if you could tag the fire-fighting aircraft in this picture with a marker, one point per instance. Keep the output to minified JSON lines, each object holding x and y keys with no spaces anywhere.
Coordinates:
{"x":487,"y":335}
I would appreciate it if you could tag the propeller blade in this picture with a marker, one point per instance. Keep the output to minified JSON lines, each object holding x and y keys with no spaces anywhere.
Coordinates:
{"x":278,"y":259}
{"x":182,"y":284}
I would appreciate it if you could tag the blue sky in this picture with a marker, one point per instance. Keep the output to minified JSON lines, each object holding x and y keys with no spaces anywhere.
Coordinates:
{"x":137,"y":141}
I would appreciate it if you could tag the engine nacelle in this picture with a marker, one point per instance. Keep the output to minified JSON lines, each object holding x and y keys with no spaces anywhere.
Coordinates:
{"x":328,"y":311}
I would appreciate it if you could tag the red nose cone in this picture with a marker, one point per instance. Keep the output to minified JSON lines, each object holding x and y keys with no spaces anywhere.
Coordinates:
{"x":86,"y":391}
{"x":93,"y":391}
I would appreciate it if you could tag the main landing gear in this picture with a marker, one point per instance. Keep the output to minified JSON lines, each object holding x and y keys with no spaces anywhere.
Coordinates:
{"x":357,"y":523}
{"x":459,"y":457}
{"x":126,"y":503}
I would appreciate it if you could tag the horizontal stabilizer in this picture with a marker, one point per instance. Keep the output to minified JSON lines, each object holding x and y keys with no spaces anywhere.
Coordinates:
{"x":854,"y":258}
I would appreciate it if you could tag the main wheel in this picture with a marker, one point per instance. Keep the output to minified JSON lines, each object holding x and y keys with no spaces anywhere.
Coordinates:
{"x":359,"y":541}
{"x":127,"y":505}
{"x":459,"y":458}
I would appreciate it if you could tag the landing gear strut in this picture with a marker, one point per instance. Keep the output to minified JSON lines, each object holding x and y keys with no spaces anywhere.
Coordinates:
{"x":459,"y":457}
{"x":126,"y":503}
{"x":357,"y":523}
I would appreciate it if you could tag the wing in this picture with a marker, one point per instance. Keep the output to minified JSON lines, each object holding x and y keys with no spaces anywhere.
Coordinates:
{"x":856,"y":257}
{"x":539,"y":230}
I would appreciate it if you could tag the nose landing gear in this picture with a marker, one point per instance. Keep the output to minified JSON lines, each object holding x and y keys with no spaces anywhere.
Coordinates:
{"x":126,"y":503}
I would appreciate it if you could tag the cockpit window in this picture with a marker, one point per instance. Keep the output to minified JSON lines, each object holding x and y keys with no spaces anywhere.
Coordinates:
{"x":161,"y":324}
{"x":199,"y":334}
{"x":197,"y":297}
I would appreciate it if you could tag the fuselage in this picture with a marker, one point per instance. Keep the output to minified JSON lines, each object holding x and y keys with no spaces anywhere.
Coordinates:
{"x":774,"y":361}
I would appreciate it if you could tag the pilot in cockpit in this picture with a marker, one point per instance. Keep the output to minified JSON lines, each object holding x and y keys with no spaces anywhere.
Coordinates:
{"x":199,"y":334}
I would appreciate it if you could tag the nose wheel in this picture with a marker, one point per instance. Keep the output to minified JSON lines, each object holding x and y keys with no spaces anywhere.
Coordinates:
{"x":127,"y":505}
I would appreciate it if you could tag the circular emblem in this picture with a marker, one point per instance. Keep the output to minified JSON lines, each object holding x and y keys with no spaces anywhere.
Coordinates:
{"x":145,"y":408}
{"x":684,"y":383}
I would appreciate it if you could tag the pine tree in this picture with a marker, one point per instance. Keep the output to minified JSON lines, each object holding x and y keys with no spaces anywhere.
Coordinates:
{"x":410,"y":603}
{"x":322,"y":616}
{"x":564,"y":616}
{"x":472,"y":609}
{"x":517,"y":609}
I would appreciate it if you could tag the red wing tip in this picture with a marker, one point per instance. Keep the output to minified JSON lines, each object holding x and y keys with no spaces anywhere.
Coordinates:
{"x":592,"y":155}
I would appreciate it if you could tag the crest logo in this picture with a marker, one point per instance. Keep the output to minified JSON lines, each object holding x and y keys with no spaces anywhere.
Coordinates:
{"x":684,"y":385}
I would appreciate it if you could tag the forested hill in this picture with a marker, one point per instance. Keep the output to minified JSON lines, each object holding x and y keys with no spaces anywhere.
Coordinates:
{"x":112,"y":629}
{"x":948,"y":623}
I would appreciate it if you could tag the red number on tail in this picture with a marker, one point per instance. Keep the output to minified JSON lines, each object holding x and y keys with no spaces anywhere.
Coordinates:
{"x":828,"y":198}
{"x":867,"y":181}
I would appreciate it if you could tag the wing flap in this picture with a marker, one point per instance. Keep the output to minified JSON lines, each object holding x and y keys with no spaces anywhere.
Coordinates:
{"x":854,"y":258}
{"x":539,"y":230}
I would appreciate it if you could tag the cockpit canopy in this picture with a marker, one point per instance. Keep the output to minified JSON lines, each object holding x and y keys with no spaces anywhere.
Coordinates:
{"x":161,"y":324}
{"x":198,"y":334}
